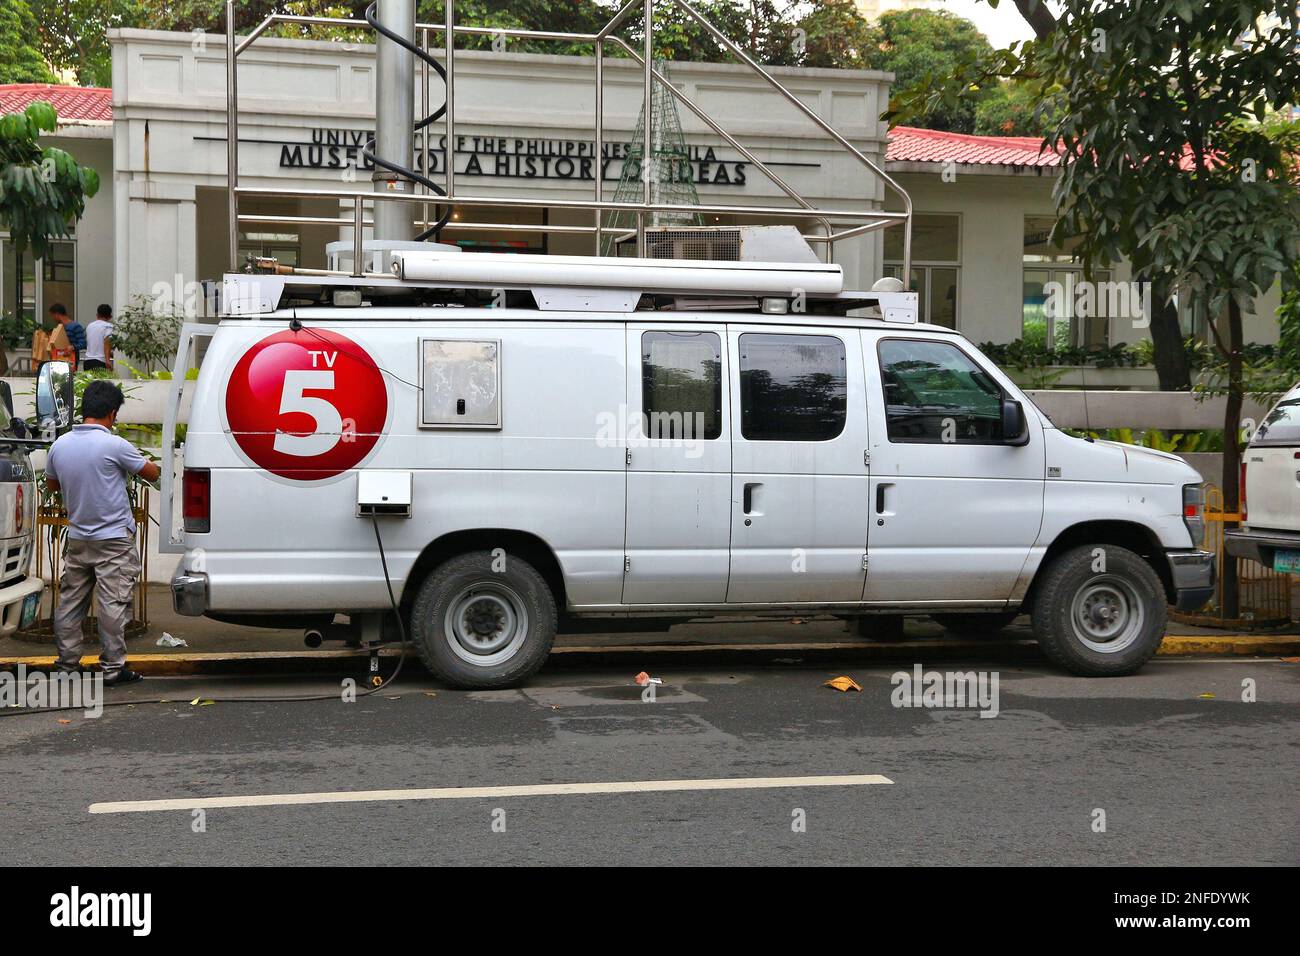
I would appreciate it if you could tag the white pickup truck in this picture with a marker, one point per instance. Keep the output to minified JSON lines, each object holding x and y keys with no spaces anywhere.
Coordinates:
{"x":1270,"y":491}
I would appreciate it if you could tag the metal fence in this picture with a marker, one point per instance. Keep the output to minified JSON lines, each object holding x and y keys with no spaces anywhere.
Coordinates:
{"x":1264,"y":595}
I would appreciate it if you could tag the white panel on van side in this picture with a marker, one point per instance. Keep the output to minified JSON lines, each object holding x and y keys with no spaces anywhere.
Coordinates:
{"x":460,"y":383}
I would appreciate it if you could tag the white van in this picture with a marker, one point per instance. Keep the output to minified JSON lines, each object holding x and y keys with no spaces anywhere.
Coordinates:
{"x":537,"y":443}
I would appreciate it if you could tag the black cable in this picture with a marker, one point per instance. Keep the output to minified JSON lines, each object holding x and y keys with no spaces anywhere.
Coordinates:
{"x":401,"y":626}
{"x":435,"y":231}
{"x":334,"y":345}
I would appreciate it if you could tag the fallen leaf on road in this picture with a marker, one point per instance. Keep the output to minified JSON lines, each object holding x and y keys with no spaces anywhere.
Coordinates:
{"x":200,"y":702}
{"x":844,"y":684}
{"x":1206,"y":696}
{"x":62,"y":721}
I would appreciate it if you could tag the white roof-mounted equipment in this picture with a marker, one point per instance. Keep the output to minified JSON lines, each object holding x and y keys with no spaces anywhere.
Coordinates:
{"x":655,"y":276}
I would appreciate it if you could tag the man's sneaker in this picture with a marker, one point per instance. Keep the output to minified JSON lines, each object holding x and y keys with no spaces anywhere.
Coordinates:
{"x":123,"y":676}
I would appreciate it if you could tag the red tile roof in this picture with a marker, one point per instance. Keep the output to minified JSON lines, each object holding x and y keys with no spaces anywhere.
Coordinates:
{"x":72,"y":103}
{"x":907,"y":144}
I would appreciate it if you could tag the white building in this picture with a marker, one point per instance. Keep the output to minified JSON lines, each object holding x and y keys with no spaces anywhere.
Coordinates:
{"x":525,"y":129}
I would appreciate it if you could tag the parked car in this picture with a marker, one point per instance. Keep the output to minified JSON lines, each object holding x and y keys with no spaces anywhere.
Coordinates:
{"x":1270,"y":491}
{"x":628,"y":439}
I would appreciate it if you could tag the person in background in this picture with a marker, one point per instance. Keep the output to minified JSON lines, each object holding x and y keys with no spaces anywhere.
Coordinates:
{"x":99,"y":345}
{"x":74,"y":330}
{"x":91,"y":466}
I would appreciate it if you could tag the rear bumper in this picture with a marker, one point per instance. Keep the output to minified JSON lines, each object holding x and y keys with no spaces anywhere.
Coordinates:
{"x":1193,"y":575}
{"x":11,"y":602}
{"x":1259,"y":545}
{"x":190,"y":593}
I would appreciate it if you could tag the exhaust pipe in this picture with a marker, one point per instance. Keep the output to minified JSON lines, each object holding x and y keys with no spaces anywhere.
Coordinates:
{"x":313,"y":638}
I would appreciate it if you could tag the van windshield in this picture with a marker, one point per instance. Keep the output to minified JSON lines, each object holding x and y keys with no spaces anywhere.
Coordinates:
{"x":1282,"y":426}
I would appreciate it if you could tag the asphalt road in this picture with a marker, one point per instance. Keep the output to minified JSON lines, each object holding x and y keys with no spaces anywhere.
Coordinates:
{"x":1181,"y":778}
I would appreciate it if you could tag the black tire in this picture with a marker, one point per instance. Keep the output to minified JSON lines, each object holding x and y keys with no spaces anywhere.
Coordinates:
{"x":974,"y":622}
{"x":1099,"y":623}
{"x":506,"y":618}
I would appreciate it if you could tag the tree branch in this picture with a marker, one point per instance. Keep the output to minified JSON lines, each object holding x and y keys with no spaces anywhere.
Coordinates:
{"x":1038,"y":17}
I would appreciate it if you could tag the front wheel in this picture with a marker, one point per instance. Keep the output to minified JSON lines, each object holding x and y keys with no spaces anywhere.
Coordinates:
{"x":481,"y":621}
{"x":1099,"y":611}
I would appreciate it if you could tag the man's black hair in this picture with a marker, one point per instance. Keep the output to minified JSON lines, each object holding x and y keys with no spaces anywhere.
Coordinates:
{"x":58,"y":308}
{"x":105,"y":311}
{"x":101,"y":399}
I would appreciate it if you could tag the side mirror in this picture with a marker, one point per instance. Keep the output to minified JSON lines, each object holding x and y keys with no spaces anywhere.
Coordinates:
{"x":1014,"y":428}
{"x":54,"y":397}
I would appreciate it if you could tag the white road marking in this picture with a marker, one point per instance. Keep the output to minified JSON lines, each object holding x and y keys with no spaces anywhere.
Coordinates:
{"x":464,"y":793}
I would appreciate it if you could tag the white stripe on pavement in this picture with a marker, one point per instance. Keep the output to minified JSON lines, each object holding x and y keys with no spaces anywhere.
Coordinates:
{"x":462,"y":793}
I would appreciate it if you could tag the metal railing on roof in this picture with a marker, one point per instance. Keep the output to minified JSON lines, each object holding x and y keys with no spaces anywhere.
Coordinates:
{"x":864,"y":221}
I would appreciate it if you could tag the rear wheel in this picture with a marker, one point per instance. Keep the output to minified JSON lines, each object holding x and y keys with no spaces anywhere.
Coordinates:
{"x":483,"y":622}
{"x":974,"y":622}
{"x":1099,"y":611}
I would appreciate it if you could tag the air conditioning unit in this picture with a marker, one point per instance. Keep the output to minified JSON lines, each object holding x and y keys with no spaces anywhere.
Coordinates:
{"x":723,"y":244}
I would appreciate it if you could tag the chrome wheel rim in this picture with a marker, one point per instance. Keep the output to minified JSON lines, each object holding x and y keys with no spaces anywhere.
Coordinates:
{"x":1107,"y":614}
{"x":486,"y":624}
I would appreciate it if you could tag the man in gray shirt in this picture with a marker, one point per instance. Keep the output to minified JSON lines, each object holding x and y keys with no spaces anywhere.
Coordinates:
{"x":91,"y":466}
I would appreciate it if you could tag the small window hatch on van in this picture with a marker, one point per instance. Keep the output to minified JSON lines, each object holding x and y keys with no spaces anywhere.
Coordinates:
{"x":460,"y":383}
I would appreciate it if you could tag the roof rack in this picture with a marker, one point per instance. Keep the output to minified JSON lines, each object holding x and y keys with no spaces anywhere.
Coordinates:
{"x":852,"y":223}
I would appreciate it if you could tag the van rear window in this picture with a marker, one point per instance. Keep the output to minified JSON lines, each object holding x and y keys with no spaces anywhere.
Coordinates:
{"x":1281,"y":426}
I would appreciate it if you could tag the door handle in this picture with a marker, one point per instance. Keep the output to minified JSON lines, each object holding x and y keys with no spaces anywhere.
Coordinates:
{"x":747,"y":504}
{"x":880,"y":496}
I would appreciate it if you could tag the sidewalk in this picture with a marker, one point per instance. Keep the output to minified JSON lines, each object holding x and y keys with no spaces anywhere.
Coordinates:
{"x":214,"y":647}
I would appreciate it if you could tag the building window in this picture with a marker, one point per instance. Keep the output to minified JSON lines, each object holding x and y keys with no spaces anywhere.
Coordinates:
{"x":935,"y":394}
{"x":1054,"y":316}
{"x":792,"y":387}
{"x":681,"y":385}
{"x":936,"y":259}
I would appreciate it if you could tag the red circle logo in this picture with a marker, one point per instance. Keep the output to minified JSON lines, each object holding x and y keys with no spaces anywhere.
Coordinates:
{"x":20,"y":513}
{"x":306,"y":405}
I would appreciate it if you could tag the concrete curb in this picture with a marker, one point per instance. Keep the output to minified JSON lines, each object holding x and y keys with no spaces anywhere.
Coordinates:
{"x":641,"y":655}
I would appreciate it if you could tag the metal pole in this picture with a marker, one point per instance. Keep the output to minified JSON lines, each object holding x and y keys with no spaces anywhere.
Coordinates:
{"x":232,"y":137}
{"x":599,"y":162}
{"x":647,"y":158}
{"x":450,"y":153}
{"x":423,"y":165}
{"x":359,"y":232}
{"x":394,"y":114}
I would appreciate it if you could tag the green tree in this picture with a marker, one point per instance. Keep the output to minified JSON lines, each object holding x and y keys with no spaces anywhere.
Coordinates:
{"x":73,"y":34}
{"x":922,"y":47}
{"x":1017,"y":108}
{"x":837,"y":35}
{"x":43,"y":191}
{"x":20,"y":58}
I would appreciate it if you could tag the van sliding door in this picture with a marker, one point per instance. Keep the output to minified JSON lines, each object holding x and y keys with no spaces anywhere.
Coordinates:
{"x":799,"y":486}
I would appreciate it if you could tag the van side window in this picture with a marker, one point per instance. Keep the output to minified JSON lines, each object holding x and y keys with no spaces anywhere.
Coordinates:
{"x":792,"y":387}
{"x":935,"y":393}
{"x":681,"y":385}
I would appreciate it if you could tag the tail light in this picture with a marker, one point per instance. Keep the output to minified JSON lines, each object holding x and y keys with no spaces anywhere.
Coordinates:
{"x":196,"y":500}
{"x":1194,"y":513}
{"x":1241,"y":491}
